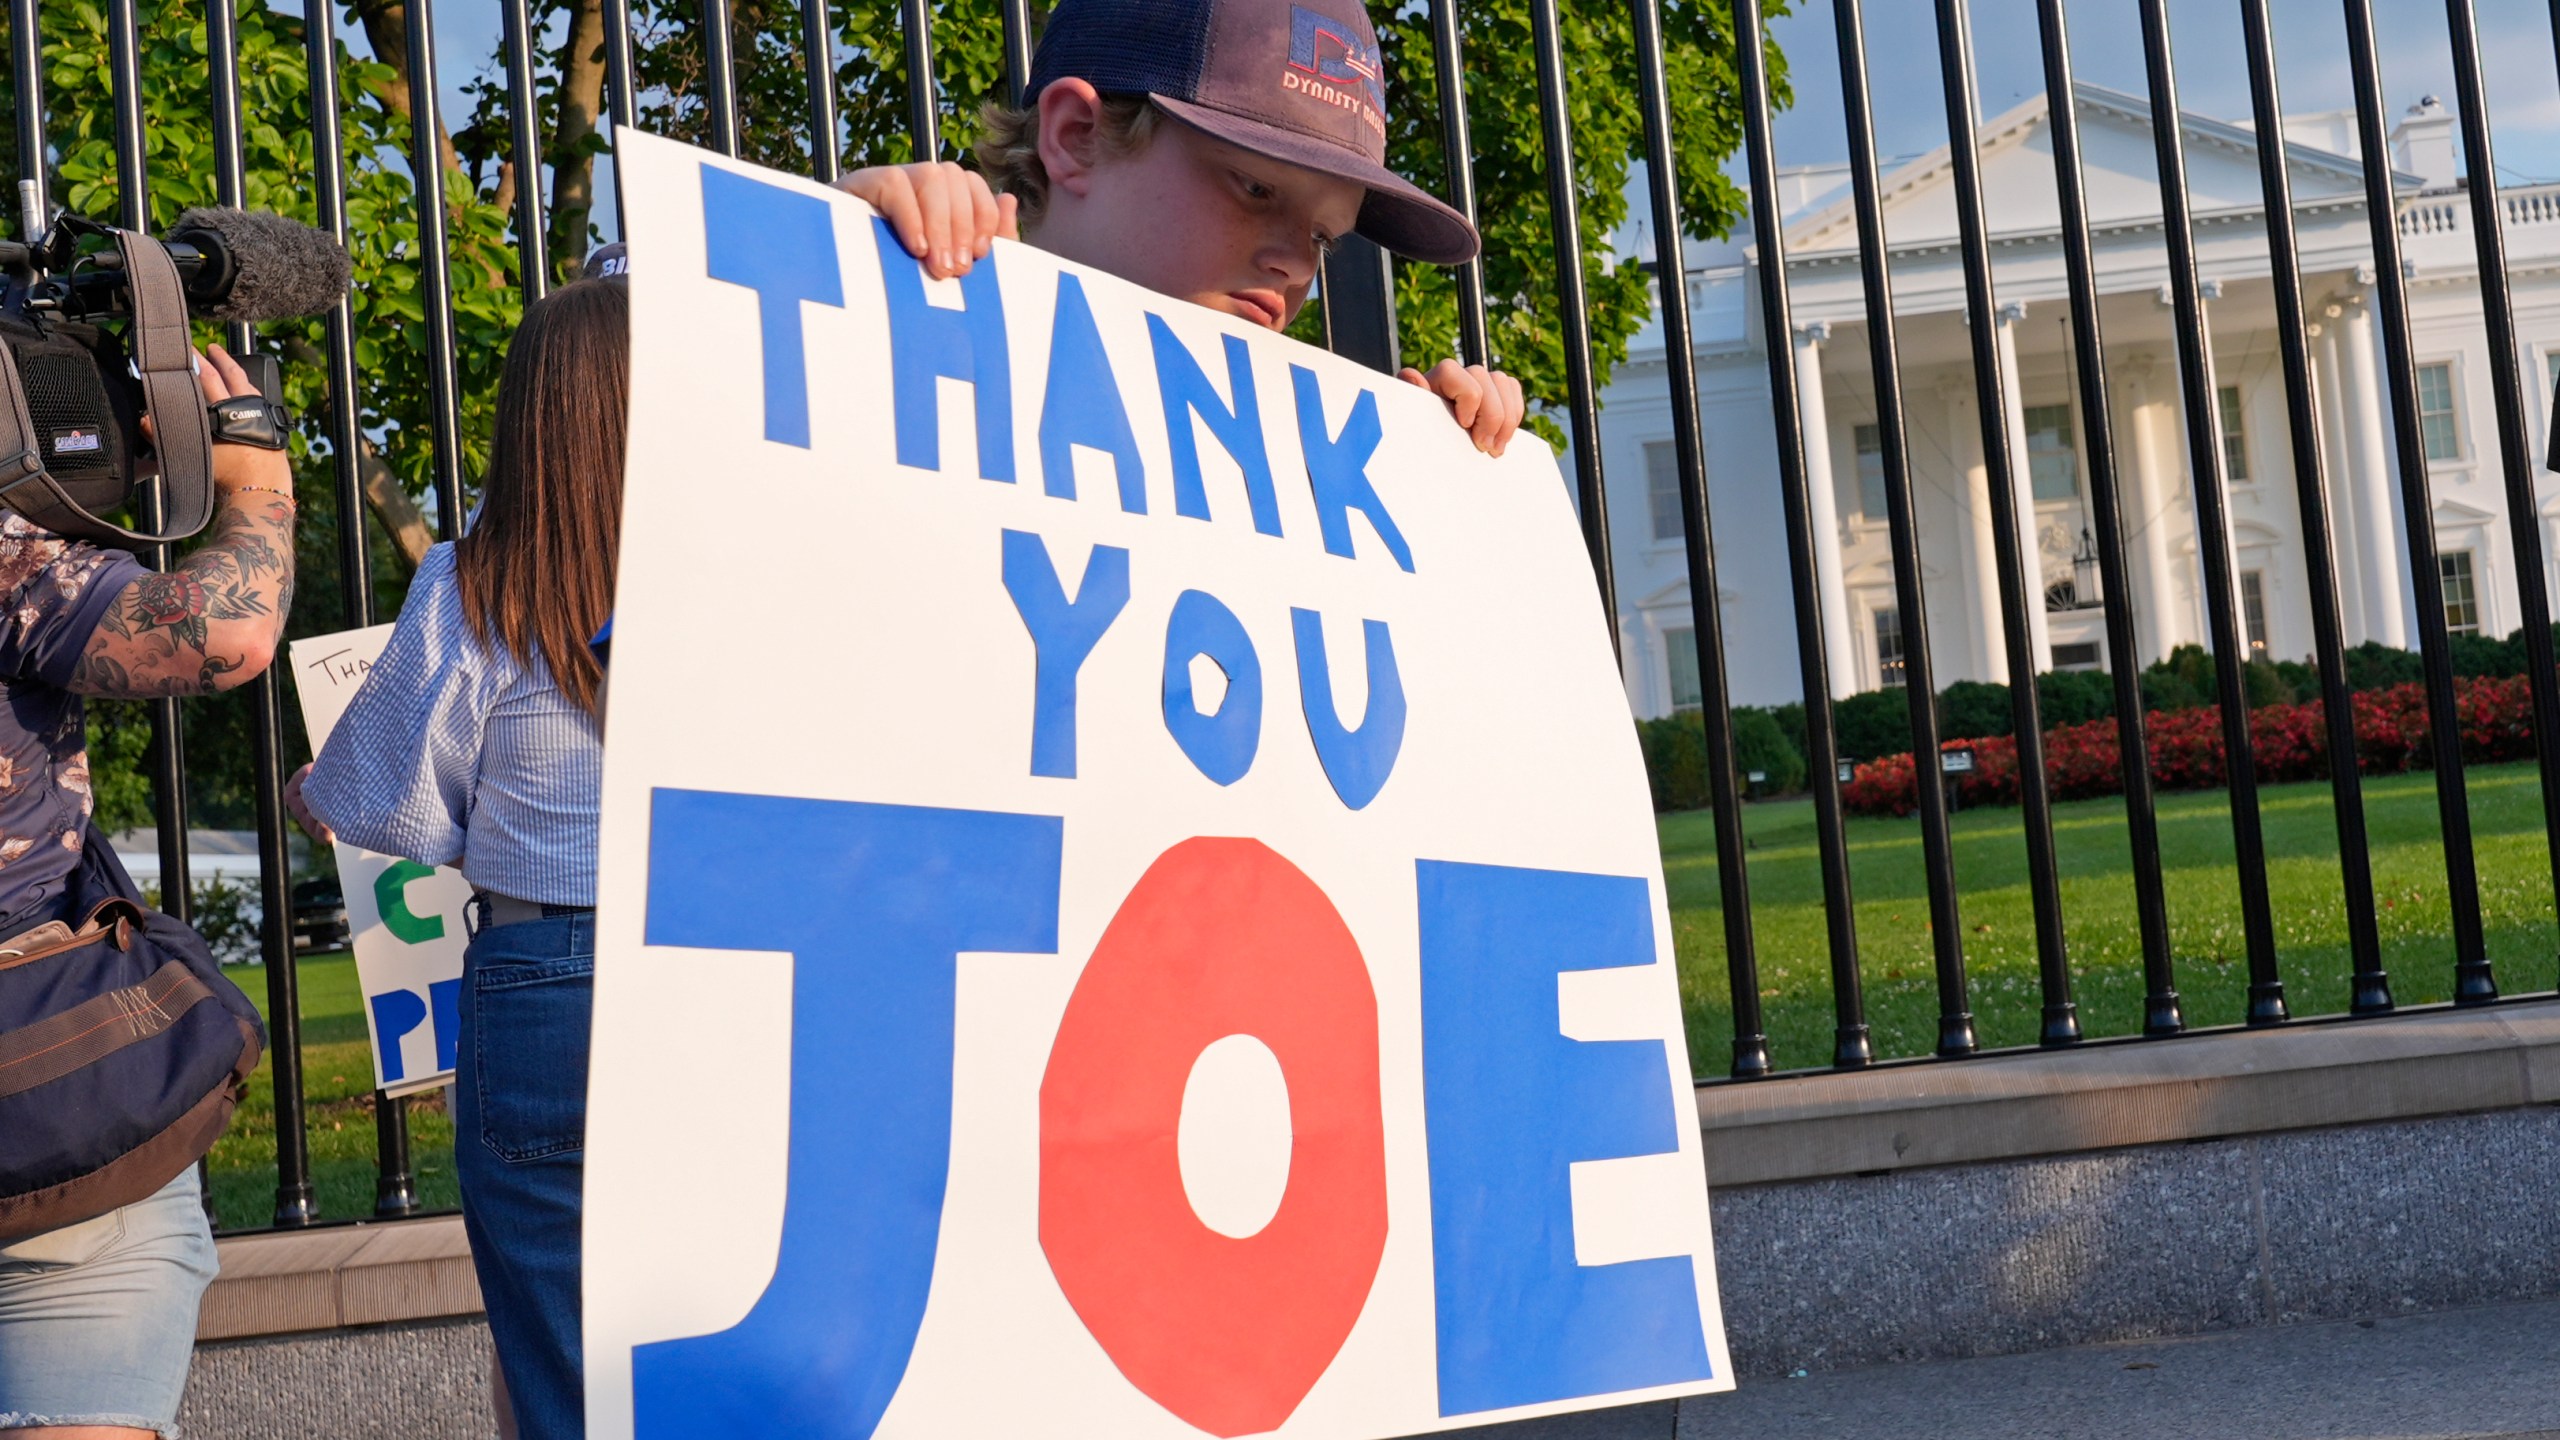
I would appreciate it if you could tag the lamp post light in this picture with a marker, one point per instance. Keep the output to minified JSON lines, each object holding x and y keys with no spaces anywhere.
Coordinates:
{"x":1954,"y":763}
{"x":2085,"y":591}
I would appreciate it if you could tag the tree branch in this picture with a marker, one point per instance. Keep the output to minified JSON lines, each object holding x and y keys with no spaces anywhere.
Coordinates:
{"x":581,"y":101}
{"x":389,"y":501}
{"x":386,"y":28}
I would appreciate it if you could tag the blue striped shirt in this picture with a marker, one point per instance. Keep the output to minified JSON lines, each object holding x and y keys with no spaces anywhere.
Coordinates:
{"x":453,"y":751}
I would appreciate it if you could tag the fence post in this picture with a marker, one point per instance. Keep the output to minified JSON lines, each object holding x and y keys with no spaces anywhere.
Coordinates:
{"x":1851,"y":1046}
{"x":1946,"y":933}
{"x":1359,"y":294}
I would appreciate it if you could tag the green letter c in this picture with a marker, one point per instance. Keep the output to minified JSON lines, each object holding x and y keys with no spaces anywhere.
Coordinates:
{"x":391,"y":894}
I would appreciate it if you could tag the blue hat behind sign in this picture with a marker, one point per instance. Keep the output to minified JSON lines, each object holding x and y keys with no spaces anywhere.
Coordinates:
{"x":608,"y":262}
{"x":1297,"y":80}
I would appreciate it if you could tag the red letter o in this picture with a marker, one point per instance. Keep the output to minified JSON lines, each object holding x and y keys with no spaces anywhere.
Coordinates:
{"x":1219,"y":937}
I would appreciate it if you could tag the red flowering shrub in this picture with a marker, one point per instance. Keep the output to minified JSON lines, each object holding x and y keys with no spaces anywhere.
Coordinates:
{"x":2186,"y":749}
{"x":2288,"y":742}
{"x":1881,"y":787}
{"x":1994,"y":777}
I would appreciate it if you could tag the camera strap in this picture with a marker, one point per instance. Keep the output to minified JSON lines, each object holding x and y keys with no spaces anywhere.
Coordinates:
{"x":164,"y":360}
{"x":21,"y":461}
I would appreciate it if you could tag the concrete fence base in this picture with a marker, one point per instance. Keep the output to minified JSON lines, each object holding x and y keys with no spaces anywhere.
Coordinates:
{"x":2112,"y":1193}
{"x":423,"y":1381}
{"x":1990,"y":1259}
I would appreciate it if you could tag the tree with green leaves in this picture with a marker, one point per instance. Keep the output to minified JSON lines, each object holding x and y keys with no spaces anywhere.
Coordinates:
{"x":375,"y":106}
{"x":392,"y":401}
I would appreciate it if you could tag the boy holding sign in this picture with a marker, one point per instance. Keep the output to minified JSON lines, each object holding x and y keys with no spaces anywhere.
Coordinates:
{"x":1211,"y":150}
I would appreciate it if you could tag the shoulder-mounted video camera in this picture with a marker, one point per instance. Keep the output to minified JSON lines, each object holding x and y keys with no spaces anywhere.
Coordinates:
{"x":94,"y":340}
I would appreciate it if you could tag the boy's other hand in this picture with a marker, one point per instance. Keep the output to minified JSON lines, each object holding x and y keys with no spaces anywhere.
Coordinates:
{"x":944,"y":214}
{"x":1486,"y":403}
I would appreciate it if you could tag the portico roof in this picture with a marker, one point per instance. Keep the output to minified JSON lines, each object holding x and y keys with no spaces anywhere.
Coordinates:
{"x":2018,"y":184}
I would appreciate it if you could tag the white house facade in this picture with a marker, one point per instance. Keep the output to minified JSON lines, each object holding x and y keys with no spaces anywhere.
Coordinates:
{"x":1862,"y":621}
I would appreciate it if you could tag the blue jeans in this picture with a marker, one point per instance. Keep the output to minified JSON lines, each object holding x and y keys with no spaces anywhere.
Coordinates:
{"x":98,"y":1319}
{"x":520,"y":1122}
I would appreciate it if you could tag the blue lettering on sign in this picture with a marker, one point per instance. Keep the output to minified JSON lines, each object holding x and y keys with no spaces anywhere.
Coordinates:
{"x":1187,"y":392}
{"x":1082,"y":406}
{"x":782,"y":245}
{"x":928,"y":343}
{"x":875,"y":906}
{"x":1509,"y":1105}
{"x":398,"y":1012}
{"x":1063,"y":633}
{"x":1356,"y":760}
{"x":1221,"y":742}
{"x":395,"y":1014}
{"x":1338,"y":468}
{"x":444,"y":1003}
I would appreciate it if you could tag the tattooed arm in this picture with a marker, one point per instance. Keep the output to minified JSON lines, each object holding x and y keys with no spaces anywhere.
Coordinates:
{"x":213,"y":621}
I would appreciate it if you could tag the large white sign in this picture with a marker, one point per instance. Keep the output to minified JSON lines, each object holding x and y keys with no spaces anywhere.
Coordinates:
{"x":404,"y":919}
{"x":1129,"y":902}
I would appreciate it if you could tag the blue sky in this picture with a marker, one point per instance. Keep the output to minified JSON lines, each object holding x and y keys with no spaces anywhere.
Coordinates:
{"x":2106,"y":47}
{"x":2516,"y":43}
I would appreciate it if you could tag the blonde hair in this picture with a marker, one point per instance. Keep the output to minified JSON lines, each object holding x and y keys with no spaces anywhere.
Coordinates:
{"x":1008,"y":147}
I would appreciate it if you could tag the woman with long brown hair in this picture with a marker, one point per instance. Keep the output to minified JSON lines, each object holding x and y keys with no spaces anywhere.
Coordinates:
{"x":478,"y":740}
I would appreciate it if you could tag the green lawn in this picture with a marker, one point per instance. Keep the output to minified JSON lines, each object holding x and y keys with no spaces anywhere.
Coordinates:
{"x":337,"y":1075}
{"x":1893,"y":938}
{"x":2098,"y":912}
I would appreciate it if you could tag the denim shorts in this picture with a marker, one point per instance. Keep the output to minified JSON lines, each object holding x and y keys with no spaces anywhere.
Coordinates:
{"x":98,"y":1319}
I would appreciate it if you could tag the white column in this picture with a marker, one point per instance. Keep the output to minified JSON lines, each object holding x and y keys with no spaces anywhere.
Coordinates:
{"x":2340,"y":471}
{"x":1822,"y":505}
{"x":2147,"y":509}
{"x":1964,"y":432}
{"x":2386,"y":605}
{"x":2023,"y":488}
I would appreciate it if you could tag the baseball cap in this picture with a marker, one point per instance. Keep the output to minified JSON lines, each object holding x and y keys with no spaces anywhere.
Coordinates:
{"x":1298,"y":81}
{"x":607,"y":262}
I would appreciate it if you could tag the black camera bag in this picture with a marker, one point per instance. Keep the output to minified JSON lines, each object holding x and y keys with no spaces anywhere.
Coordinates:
{"x":81,"y":421}
{"x":71,"y":400}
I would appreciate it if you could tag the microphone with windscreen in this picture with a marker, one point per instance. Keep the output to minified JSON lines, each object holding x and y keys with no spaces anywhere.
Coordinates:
{"x":241,"y":266}
{"x":249,"y":266}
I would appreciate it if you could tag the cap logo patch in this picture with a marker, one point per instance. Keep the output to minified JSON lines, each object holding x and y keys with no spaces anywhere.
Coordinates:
{"x":1334,"y":66}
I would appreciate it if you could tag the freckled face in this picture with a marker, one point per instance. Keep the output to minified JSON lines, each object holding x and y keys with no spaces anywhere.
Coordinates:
{"x":1209,"y":222}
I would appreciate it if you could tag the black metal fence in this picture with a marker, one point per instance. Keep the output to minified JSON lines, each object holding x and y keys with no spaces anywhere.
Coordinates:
{"x":1358,"y":299}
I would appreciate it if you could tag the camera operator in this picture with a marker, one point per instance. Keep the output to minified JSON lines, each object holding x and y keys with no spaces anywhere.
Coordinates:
{"x":98,"y":1318}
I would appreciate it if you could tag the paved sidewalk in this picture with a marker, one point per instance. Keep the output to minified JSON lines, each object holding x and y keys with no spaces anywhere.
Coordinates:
{"x":2494,"y":1370}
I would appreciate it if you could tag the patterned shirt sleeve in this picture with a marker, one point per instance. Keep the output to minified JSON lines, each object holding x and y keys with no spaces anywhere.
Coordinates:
{"x":55,"y":592}
{"x":399,"y":774}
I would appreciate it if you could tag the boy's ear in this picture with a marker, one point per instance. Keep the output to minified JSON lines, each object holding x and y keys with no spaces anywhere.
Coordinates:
{"x":1069,"y":134}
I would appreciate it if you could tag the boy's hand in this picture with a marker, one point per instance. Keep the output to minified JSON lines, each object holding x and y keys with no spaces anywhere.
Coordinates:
{"x":1485,"y":402}
{"x":945,"y":215}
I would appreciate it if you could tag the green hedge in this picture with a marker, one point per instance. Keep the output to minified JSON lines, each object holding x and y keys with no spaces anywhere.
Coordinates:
{"x":1675,"y":754}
